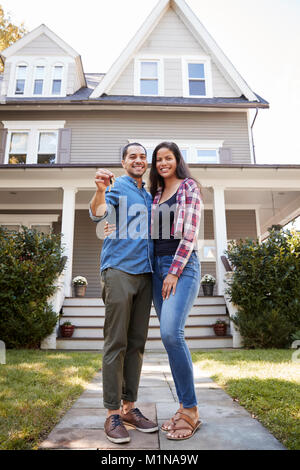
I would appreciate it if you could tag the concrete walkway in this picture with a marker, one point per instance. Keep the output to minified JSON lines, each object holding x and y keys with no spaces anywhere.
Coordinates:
{"x":226,"y":425}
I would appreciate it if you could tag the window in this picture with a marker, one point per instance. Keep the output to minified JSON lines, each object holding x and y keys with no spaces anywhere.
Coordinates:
{"x":47,"y":147}
{"x":207,"y":156}
{"x":192,"y":151}
{"x":18,"y":147}
{"x":32,"y":142}
{"x":196,"y":80}
{"x":21,"y":79}
{"x":149,"y":78}
{"x":57,"y":80}
{"x":39,"y":80}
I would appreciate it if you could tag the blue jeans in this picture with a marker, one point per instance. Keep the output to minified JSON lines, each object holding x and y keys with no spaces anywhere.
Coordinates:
{"x":172,"y":314}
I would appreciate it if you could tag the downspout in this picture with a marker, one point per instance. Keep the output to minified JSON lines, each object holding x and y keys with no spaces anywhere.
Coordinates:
{"x":253,"y":146}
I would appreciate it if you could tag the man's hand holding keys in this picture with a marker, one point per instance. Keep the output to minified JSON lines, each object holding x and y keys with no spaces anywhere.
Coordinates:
{"x":103,"y":179}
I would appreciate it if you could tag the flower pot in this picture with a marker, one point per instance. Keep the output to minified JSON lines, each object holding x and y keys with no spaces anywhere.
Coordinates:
{"x":67,"y":330}
{"x":79,"y":291}
{"x":220,"y":329}
{"x":208,"y":289}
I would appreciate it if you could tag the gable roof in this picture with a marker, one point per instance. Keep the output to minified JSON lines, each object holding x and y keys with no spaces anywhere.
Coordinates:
{"x":200,"y":33}
{"x":42,"y":29}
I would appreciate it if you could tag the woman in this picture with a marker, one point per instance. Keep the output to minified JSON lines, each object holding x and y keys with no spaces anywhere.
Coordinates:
{"x":176,"y":277}
{"x":175,"y":221}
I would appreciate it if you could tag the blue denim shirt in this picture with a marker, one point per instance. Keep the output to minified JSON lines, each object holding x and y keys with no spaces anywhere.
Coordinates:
{"x":130,"y":247}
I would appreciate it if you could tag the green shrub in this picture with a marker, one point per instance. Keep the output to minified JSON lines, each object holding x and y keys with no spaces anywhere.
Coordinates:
{"x":266,"y":288}
{"x":29,"y":264}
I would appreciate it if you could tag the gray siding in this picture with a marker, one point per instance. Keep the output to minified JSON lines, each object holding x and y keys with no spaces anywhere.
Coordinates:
{"x":86,"y":254}
{"x":98,"y":136}
{"x":42,"y":45}
{"x":173,"y":77}
{"x":125,"y":84}
{"x":240,"y":224}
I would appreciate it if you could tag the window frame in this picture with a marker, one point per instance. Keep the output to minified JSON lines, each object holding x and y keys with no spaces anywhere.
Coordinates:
{"x":205,"y":60}
{"x":190,"y":145}
{"x":21,"y":64}
{"x":39,"y":64}
{"x":34,"y":128}
{"x":137,"y":75}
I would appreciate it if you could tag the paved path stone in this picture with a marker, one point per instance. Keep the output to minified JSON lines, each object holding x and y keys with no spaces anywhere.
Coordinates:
{"x":225,"y":424}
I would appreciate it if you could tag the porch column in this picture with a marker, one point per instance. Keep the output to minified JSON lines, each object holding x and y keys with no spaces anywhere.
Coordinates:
{"x":220,"y":232}
{"x":67,"y":229}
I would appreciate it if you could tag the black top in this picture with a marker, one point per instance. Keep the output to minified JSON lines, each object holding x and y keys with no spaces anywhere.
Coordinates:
{"x":166,"y":244}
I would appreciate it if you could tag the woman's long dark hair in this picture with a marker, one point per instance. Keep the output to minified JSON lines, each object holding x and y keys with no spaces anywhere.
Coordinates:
{"x":182,"y":170}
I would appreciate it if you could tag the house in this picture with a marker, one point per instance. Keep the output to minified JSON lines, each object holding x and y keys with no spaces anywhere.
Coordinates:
{"x":172,"y":82}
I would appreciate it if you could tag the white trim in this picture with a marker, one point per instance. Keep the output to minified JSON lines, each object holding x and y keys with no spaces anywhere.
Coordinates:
{"x":200,"y":33}
{"x":137,"y":75}
{"x":28,"y":219}
{"x":250,"y":136}
{"x":205,"y":60}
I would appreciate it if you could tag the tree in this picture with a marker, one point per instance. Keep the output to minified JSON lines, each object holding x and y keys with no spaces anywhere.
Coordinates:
{"x":9,"y":32}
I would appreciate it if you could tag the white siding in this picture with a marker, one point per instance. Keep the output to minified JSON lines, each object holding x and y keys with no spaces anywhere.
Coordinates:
{"x":42,"y":45}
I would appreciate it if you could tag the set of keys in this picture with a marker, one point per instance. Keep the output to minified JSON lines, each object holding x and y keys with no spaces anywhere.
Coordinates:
{"x":111,"y":182}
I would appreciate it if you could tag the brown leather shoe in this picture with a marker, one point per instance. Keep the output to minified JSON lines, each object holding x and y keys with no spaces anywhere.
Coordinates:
{"x":137,"y":420}
{"x":115,"y":430}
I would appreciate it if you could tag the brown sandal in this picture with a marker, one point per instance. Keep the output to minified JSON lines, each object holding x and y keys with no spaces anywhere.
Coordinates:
{"x":164,"y":429}
{"x":189,"y":421}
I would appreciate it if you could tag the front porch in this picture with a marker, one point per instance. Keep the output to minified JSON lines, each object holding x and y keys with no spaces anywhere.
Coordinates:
{"x":240,"y":201}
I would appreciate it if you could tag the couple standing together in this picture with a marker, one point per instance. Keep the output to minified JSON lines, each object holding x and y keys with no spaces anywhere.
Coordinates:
{"x":137,"y":269}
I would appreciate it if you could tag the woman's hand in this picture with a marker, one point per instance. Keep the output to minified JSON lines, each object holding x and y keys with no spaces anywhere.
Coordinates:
{"x":169,"y":283}
{"x":108,"y":229}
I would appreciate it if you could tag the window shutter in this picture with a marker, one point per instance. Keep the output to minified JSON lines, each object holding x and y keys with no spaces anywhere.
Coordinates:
{"x":3,"y":137}
{"x":225,"y":155}
{"x":64,"y":146}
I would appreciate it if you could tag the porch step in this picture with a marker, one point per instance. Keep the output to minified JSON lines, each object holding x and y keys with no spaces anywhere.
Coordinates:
{"x":205,"y":342}
{"x":88,"y":316}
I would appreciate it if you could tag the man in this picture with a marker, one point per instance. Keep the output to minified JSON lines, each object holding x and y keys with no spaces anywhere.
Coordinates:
{"x":126,"y":274}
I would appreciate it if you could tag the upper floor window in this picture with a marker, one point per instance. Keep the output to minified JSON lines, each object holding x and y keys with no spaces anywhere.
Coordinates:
{"x":18,"y":146}
{"x":21,"y":79}
{"x":57,"y":80}
{"x":196,"y":80}
{"x":148,"y":78}
{"x":39,"y":78}
{"x":32,"y":142}
{"x":192,"y":151}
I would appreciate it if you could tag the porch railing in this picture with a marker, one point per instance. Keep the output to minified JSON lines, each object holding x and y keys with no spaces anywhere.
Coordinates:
{"x":231,"y":307}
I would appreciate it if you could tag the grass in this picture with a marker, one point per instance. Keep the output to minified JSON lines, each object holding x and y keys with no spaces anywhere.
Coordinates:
{"x":265,"y":382}
{"x":36,"y":389}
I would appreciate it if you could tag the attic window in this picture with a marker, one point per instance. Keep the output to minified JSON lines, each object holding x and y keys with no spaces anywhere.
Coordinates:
{"x":39,"y":80}
{"x":196,"y":80}
{"x":148,"y":77}
{"x":57,"y":80}
{"x":21,"y":78}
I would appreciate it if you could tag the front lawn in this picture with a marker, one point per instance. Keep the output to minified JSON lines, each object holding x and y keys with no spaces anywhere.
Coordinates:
{"x":36,"y":389}
{"x":265,"y":382}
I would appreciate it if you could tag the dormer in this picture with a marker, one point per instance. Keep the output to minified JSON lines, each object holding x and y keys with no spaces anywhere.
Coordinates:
{"x":41,"y":65}
{"x":173,"y":55}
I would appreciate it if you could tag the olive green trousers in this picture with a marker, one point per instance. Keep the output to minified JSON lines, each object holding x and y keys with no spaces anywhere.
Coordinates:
{"x":127,"y":299}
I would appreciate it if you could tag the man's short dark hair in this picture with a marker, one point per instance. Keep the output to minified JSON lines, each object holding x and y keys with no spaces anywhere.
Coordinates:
{"x":124,"y":150}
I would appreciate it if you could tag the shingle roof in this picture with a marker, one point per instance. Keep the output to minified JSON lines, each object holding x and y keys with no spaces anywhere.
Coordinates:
{"x":93,"y":79}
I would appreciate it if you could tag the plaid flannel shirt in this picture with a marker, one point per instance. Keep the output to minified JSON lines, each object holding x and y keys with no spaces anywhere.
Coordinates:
{"x":186,"y":222}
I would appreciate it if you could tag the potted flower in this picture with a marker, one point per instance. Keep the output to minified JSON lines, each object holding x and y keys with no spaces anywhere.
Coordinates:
{"x":220,"y":328}
{"x":207,"y":283}
{"x":67,"y":329}
{"x":79,"y":283}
